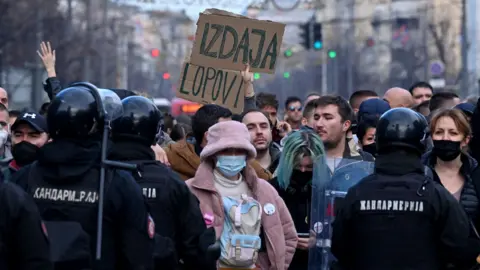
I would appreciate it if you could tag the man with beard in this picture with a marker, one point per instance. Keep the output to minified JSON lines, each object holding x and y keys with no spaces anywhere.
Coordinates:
{"x":184,"y":156}
{"x":332,"y":119}
{"x":29,"y":133}
{"x":268,"y":152}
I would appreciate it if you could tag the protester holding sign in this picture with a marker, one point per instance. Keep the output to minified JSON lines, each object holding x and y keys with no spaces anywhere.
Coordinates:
{"x":213,"y":73}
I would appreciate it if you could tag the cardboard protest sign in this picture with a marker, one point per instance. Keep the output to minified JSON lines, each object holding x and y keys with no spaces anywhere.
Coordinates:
{"x":208,"y":85}
{"x":229,"y":41}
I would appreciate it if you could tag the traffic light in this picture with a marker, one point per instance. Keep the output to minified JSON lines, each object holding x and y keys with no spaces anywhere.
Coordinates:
{"x":370,"y":42}
{"x":305,"y":36}
{"x":332,"y":54}
{"x":288,"y":53}
{"x":256,"y":76}
{"x":311,"y":35}
{"x":317,"y":36}
{"x":166,"y":76}
{"x":286,"y":75}
{"x":155,"y":53}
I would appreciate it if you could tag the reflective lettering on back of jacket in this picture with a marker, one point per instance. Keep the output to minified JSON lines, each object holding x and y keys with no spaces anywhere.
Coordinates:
{"x":54,"y":194}
{"x":149,"y":193}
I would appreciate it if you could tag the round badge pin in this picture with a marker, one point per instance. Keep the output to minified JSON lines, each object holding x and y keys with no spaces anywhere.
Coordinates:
{"x":318,"y":227}
{"x":269,"y":209}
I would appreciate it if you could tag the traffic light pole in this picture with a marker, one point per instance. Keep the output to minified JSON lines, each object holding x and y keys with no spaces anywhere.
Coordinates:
{"x":311,"y":25}
{"x":351,"y":48}
{"x":324,"y":73}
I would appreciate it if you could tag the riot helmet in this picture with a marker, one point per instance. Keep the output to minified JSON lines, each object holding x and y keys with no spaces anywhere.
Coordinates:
{"x":401,"y":128}
{"x":141,"y":120}
{"x":73,"y":113}
{"x":82,"y":110}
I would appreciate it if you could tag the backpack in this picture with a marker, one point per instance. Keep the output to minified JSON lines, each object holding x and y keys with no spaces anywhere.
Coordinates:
{"x":70,"y":244}
{"x":240,"y":240}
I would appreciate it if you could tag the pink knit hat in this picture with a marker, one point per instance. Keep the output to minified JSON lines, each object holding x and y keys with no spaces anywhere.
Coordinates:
{"x":225,"y":135}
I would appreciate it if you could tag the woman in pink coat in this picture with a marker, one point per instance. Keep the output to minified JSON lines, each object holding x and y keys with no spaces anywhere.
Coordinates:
{"x":224,"y":172}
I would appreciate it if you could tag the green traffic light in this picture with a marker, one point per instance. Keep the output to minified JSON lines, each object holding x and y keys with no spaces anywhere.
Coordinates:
{"x":256,"y":76}
{"x":286,"y":75}
{"x":332,"y":54}
{"x":317,"y":45}
{"x":288,"y":53}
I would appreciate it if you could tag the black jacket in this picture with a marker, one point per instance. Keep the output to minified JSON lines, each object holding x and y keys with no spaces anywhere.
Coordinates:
{"x":297,"y":198}
{"x":469,"y":198}
{"x":174,"y":208}
{"x":64,"y":185}
{"x":23,"y":238}
{"x":397,"y":218}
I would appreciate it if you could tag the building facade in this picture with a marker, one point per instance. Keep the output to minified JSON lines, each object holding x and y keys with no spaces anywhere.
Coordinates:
{"x":394,"y":41}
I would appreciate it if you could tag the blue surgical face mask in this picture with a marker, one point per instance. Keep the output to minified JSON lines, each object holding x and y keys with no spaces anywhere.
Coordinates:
{"x":231,"y":165}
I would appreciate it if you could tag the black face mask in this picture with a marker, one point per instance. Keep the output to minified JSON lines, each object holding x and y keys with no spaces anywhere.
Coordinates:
{"x":24,"y":153}
{"x":370,"y":148}
{"x":301,"y":178}
{"x":446,"y":150}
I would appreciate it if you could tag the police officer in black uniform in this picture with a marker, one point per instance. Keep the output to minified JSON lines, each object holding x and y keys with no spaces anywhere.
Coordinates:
{"x":23,"y":236}
{"x":174,"y":208}
{"x":64,"y":183}
{"x":398,"y":217}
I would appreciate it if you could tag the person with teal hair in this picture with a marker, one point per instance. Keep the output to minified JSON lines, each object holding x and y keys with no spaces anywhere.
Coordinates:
{"x":293,"y":182}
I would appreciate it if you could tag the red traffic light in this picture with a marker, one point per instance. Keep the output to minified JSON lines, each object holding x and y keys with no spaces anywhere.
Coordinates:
{"x":370,"y":42}
{"x":166,"y":76}
{"x":155,"y":52}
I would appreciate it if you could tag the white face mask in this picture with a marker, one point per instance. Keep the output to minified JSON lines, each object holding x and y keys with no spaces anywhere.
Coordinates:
{"x":3,"y":137}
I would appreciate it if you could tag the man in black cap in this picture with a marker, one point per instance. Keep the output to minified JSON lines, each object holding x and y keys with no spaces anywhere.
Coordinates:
{"x":398,"y":217}
{"x":29,"y":133}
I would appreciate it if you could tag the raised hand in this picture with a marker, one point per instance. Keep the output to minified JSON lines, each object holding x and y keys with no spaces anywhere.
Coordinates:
{"x":48,"y":58}
{"x":247,"y":77}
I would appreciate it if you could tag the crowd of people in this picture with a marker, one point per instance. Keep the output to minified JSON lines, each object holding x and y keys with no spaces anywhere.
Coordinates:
{"x":224,"y":191}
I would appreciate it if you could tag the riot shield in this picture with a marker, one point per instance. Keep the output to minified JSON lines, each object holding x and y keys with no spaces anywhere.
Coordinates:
{"x":331,"y":181}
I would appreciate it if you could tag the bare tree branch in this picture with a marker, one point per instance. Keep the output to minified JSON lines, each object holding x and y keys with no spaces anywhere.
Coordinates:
{"x":439,"y":42}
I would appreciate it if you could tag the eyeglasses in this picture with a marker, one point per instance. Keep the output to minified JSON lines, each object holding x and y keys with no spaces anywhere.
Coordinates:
{"x":292,"y":108}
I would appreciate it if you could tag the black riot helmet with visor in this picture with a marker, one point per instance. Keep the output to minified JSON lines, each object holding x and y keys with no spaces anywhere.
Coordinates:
{"x":401,"y":128}
{"x":80,"y":111}
{"x":141,"y":120}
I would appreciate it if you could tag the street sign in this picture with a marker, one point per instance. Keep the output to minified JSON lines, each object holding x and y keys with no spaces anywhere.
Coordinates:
{"x":437,"y":83}
{"x":437,"y":68}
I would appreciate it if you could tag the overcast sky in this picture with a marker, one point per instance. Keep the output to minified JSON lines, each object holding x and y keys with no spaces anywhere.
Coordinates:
{"x":192,"y":7}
